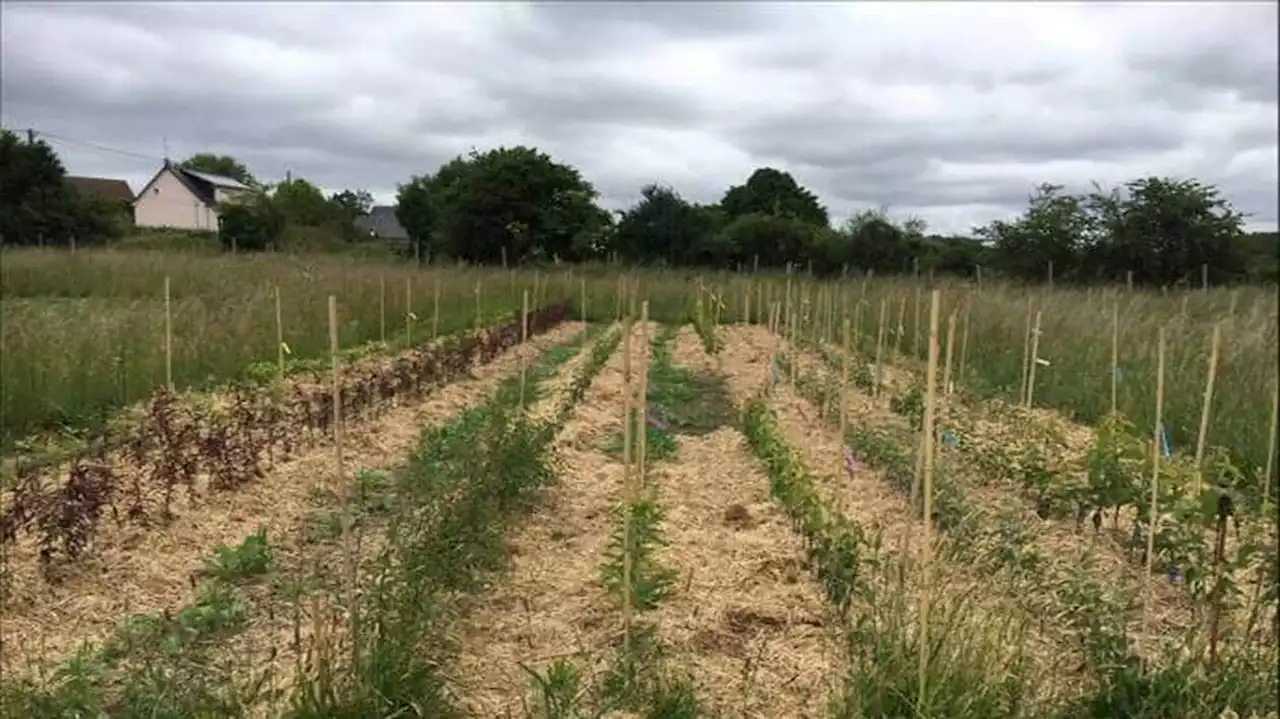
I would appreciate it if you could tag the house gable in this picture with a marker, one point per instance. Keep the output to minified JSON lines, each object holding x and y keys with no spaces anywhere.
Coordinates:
{"x":166,"y":178}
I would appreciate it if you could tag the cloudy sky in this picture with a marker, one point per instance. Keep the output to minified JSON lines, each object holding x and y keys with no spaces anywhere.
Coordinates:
{"x":952,"y":112}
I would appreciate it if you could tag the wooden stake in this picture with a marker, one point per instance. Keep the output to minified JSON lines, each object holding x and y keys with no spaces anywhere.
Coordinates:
{"x":1115,"y":353}
{"x":1026,"y":355}
{"x":902,"y":319}
{"x":844,"y":387}
{"x":1271,"y":441}
{"x":279,"y":335}
{"x":382,"y":309}
{"x":915,"y":321}
{"x":642,"y":419}
{"x":524,"y":337}
{"x":582,"y":300}
{"x":951,"y":343}
{"x":1208,"y":403}
{"x":627,"y":491}
{"x":479,"y":311}
{"x":408,"y":312}
{"x":435,"y":311}
{"x":964,"y":343}
{"x":1154,"y":516}
{"x":339,"y":473}
{"x":930,"y":408}
{"x":168,"y":337}
{"x":1033,"y":361}
{"x":884,"y":311}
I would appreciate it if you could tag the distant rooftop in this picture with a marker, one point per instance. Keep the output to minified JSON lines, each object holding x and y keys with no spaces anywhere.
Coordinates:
{"x":382,"y":221}
{"x":216,"y":180}
{"x":103,"y":188}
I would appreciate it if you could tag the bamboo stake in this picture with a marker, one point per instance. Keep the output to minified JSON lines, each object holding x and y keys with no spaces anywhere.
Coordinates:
{"x":582,"y":299}
{"x":279,"y":335}
{"x":964,"y":343}
{"x":1033,"y":361}
{"x":479,"y":313}
{"x":1153,"y":517}
{"x":930,"y":408}
{"x":1208,"y":403}
{"x":168,"y":336}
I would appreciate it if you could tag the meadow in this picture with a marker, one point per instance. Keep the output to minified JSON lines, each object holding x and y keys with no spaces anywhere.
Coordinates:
{"x":662,"y":493}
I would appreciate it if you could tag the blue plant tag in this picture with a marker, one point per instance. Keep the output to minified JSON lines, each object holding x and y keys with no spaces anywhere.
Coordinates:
{"x":948,"y":438}
{"x":1166,"y":444}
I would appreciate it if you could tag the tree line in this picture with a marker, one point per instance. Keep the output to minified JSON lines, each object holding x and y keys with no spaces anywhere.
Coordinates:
{"x":519,"y":205}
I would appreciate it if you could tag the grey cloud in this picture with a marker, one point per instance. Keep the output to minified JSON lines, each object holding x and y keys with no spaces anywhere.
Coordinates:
{"x":863,"y":103}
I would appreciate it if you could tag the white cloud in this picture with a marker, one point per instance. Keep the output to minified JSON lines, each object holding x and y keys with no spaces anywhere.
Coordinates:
{"x":950,"y":111}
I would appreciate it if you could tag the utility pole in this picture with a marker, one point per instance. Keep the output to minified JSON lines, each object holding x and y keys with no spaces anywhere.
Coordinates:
{"x":31,"y":136}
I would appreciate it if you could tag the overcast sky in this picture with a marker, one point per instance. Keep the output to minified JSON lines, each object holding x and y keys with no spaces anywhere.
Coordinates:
{"x":952,"y":112}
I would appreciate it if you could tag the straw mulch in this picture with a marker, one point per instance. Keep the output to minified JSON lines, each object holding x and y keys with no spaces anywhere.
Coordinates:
{"x":137,"y":571}
{"x":551,"y":605}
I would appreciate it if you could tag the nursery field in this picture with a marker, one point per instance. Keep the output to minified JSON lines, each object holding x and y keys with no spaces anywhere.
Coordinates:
{"x":575,"y":492}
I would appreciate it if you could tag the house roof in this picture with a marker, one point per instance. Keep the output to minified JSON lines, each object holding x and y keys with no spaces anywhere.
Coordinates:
{"x":200,"y":184}
{"x":103,"y":188}
{"x":382,"y":222}
{"x":215,"y":180}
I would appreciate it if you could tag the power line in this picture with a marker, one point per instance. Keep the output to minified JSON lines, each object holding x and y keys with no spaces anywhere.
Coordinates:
{"x":59,"y":138}
{"x":95,"y":146}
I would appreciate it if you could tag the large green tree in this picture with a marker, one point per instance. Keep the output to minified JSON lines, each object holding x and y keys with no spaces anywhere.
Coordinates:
{"x":1165,"y":230}
{"x":664,"y":227}
{"x":515,"y":201}
{"x":302,"y":203}
{"x":224,"y":165}
{"x":769,"y":191}
{"x":37,"y":206}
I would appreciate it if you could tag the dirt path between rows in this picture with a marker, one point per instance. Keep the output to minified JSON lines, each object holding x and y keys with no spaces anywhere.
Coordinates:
{"x":136,"y":571}
{"x":864,"y":495}
{"x":748,"y":620}
{"x":276,"y":640}
{"x":551,"y":604}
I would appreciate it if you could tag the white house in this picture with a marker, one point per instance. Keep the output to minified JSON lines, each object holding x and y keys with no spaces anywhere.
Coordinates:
{"x":185,"y":199}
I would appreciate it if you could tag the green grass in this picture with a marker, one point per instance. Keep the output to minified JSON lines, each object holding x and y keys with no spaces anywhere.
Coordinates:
{"x":83,"y":334}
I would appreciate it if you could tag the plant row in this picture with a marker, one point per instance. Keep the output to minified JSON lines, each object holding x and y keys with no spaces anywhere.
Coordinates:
{"x":134,"y":472}
{"x":637,"y":678}
{"x":421,"y":518}
{"x":1091,"y":607}
{"x":1113,"y":477}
